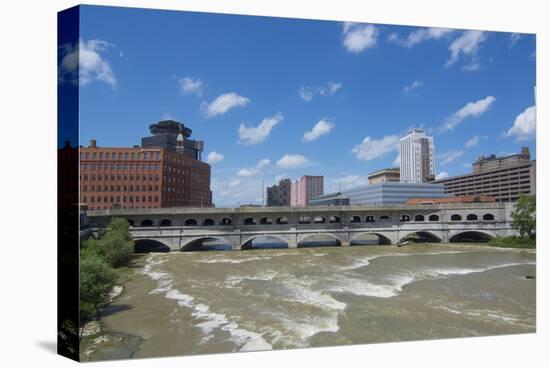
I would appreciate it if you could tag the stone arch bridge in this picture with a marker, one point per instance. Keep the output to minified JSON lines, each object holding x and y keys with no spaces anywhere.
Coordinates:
{"x":187,"y":228}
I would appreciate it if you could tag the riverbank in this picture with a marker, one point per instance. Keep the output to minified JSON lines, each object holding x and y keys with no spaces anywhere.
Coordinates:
{"x":100,"y":342}
{"x":514,"y":242}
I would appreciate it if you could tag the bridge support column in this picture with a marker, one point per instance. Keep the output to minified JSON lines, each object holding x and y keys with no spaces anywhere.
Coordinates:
{"x":235,"y":247}
{"x":344,"y":244}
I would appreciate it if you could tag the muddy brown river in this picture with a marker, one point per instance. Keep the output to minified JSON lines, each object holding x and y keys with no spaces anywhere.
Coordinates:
{"x":229,"y":301}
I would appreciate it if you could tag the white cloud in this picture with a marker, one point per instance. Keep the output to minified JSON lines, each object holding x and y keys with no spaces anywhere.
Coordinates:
{"x":214,"y":157}
{"x":293,"y":161}
{"x":248,"y":172}
{"x":234,"y":182}
{"x":321,"y":128}
{"x":224,"y":103}
{"x":524,"y":124}
{"x":441,"y":175}
{"x":88,"y":62}
{"x":255,"y":135}
{"x":191,"y":86}
{"x":359,"y":37}
{"x":471,"y":109}
{"x":514,"y":38}
{"x":308,"y":92}
{"x":414,"y":85}
{"x":465,"y":45}
{"x":420,"y":35}
{"x":397,"y":160}
{"x":474,"y":140}
{"x":450,"y":156}
{"x":371,"y":148}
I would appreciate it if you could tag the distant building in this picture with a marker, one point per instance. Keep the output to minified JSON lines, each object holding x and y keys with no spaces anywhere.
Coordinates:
{"x":158,"y":175}
{"x":417,"y":157}
{"x":503,"y":178}
{"x":454,"y":199}
{"x":386,"y":193}
{"x":279,"y":195}
{"x":484,"y":164}
{"x":174,"y":136}
{"x":305,"y":188}
{"x":384,"y":175}
{"x":335,"y":199}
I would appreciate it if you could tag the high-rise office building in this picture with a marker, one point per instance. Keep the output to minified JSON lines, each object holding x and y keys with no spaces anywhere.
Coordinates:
{"x":305,"y":188}
{"x":279,"y":195}
{"x":417,"y":157}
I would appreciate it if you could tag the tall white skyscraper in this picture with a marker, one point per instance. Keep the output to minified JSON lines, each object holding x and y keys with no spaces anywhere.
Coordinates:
{"x":417,"y":157}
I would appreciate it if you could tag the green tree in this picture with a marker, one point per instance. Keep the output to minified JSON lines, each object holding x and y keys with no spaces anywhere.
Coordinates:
{"x":97,"y":279}
{"x":115,"y":246}
{"x":524,"y":216}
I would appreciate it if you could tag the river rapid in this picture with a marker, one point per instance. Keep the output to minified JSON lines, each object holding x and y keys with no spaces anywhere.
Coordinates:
{"x":229,"y":301}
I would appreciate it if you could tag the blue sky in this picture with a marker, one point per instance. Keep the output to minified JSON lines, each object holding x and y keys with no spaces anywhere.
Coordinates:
{"x":274,"y":97}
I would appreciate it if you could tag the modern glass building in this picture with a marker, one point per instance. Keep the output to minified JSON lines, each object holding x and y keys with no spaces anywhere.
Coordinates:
{"x":386,"y":193}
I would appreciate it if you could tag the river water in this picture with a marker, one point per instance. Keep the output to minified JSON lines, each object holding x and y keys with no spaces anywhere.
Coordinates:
{"x":216,"y":302}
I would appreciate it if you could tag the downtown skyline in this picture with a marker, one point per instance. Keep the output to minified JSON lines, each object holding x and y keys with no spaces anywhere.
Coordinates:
{"x":277,"y":97}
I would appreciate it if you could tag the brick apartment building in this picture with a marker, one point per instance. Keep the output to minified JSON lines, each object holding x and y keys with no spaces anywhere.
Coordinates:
{"x":146,"y":177}
{"x":503,"y":178}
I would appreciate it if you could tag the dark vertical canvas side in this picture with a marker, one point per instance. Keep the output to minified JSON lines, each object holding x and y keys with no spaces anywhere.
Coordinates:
{"x":68,"y":230}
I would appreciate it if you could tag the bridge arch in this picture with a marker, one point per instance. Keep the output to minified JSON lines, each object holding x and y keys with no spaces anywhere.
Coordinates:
{"x":165,"y":222}
{"x":191,"y":222}
{"x":370,"y":219}
{"x":197,"y":243}
{"x":404,"y":218}
{"x":419,"y":218}
{"x":208,"y":222}
{"x":282,"y":220}
{"x":319,"y":219}
{"x":380,"y":238}
{"x":249,"y":221}
{"x":419,"y":236}
{"x":146,"y":245}
{"x":266,"y":221}
{"x":146,"y":223}
{"x":225,"y":221}
{"x":384,"y":218}
{"x":307,"y":240}
{"x":488,"y":217}
{"x":247,"y":243}
{"x":355,"y":219}
{"x":471,"y":236}
{"x":334,"y":219}
{"x":433,"y":218}
{"x":471,"y":217}
{"x":131,"y":223}
{"x":304,"y":220}
{"x":456,"y":218}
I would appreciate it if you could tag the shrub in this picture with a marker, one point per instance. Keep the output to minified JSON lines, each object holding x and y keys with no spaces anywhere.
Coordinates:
{"x":97,"y":279}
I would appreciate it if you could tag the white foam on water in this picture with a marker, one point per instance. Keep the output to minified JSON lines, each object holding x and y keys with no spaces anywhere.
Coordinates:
{"x":233,"y":261}
{"x":234,"y":280}
{"x":359,"y":262}
{"x":210,"y":321}
{"x":299,"y":290}
{"x":362,"y":287}
{"x":436,"y":272}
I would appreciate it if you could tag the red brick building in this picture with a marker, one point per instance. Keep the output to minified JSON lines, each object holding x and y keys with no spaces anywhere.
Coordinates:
{"x":142,"y":177}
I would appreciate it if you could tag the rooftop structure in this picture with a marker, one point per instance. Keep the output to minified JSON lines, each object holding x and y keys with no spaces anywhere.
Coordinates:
{"x":454,"y":199}
{"x":173,"y":135}
{"x":483,"y":164}
{"x":384,"y":175}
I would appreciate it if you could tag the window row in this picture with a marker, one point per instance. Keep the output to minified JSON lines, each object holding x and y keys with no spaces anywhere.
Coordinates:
{"x":113,"y":188}
{"x":120,"y":155}
{"x":119,"y":166}
{"x":118,"y":199}
{"x":119,"y":177}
